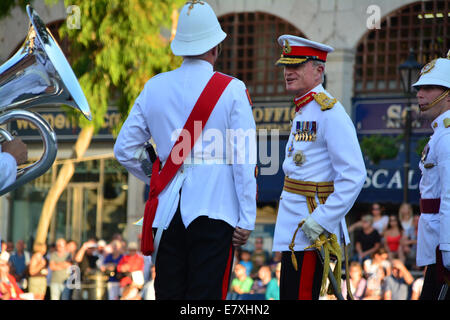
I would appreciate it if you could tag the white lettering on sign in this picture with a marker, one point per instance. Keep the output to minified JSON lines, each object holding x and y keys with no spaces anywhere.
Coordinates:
{"x":383,"y":178}
{"x":396,"y":115}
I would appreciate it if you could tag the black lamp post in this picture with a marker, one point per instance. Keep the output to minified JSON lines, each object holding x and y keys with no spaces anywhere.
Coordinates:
{"x":409,"y":74}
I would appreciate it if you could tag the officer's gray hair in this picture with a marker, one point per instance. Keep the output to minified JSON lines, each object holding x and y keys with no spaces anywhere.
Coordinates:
{"x":317,"y":63}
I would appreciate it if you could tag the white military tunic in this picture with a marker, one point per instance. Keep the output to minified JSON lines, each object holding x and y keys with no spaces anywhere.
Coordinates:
{"x":210,"y":186}
{"x":8,"y":169}
{"x":334,"y":156}
{"x":434,"y":229}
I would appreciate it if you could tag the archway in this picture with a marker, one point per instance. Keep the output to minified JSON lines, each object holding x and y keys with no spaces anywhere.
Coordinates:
{"x":422,"y":25}
{"x":251,"y":50}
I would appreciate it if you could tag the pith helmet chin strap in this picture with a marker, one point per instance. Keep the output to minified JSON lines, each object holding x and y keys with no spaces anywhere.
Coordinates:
{"x":436,"y":101}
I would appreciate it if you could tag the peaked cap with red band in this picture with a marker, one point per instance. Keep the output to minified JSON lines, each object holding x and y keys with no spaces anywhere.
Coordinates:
{"x":297,"y":50}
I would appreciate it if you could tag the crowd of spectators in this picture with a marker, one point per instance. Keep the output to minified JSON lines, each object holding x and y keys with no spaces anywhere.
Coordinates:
{"x":256,"y":274}
{"x":383,"y":262}
{"x":382,"y":266}
{"x":96,"y":270}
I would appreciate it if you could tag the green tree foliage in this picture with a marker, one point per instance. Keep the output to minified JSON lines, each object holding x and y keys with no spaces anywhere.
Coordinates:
{"x":380,"y":147}
{"x":117,"y":49}
{"x":421,"y":145}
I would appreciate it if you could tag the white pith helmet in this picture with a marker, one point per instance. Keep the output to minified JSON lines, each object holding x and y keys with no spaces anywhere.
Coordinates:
{"x":198,"y":30}
{"x":437,"y":73}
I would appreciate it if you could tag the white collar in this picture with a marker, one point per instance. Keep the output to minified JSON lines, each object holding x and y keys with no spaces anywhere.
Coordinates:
{"x":316,"y":89}
{"x":438,"y":123}
{"x":198,"y":63}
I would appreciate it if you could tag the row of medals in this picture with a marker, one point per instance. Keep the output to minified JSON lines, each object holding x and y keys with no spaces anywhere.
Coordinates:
{"x":305,"y":131}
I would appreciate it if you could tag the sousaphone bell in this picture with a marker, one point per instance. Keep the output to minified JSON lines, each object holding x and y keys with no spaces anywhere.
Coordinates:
{"x":38,"y":74}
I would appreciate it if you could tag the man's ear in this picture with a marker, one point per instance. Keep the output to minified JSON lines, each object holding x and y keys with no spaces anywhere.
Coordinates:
{"x":215,"y":51}
{"x":321,"y":69}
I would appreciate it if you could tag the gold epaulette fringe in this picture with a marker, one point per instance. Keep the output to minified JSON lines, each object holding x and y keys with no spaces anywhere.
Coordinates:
{"x":325,"y":101}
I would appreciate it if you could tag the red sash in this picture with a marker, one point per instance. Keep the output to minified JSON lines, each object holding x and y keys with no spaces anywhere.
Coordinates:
{"x":160,"y":179}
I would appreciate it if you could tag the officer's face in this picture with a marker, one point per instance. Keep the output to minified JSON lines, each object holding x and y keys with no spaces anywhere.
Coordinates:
{"x":425,"y":96}
{"x":301,"y":79}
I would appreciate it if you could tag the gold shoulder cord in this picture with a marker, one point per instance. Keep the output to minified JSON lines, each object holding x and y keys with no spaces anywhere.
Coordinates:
{"x":329,"y":245}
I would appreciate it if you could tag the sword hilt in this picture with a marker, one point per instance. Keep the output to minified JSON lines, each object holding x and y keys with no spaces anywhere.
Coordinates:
{"x":151,"y":153}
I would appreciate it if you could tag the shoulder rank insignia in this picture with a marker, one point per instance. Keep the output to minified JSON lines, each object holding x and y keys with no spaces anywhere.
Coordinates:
{"x":447,"y":122}
{"x":325,"y":101}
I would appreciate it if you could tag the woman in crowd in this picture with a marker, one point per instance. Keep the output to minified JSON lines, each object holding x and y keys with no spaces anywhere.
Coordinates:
{"x":375,"y":270}
{"x":380,"y":221}
{"x":357,"y":282}
{"x":110,"y":268}
{"x":9,"y":290}
{"x":375,"y":285}
{"x":410,"y":243}
{"x":405,"y":214}
{"x":37,"y":272}
{"x":393,"y":238}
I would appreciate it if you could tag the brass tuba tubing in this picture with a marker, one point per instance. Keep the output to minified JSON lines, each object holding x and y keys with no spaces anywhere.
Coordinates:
{"x":48,"y":136}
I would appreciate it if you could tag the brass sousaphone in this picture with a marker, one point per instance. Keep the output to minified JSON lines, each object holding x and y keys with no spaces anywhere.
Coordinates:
{"x":38,"y":74}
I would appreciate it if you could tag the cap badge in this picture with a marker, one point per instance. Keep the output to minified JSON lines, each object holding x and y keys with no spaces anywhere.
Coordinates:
{"x":192,"y":2}
{"x":287,"y":47}
{"x":428,"y":67}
